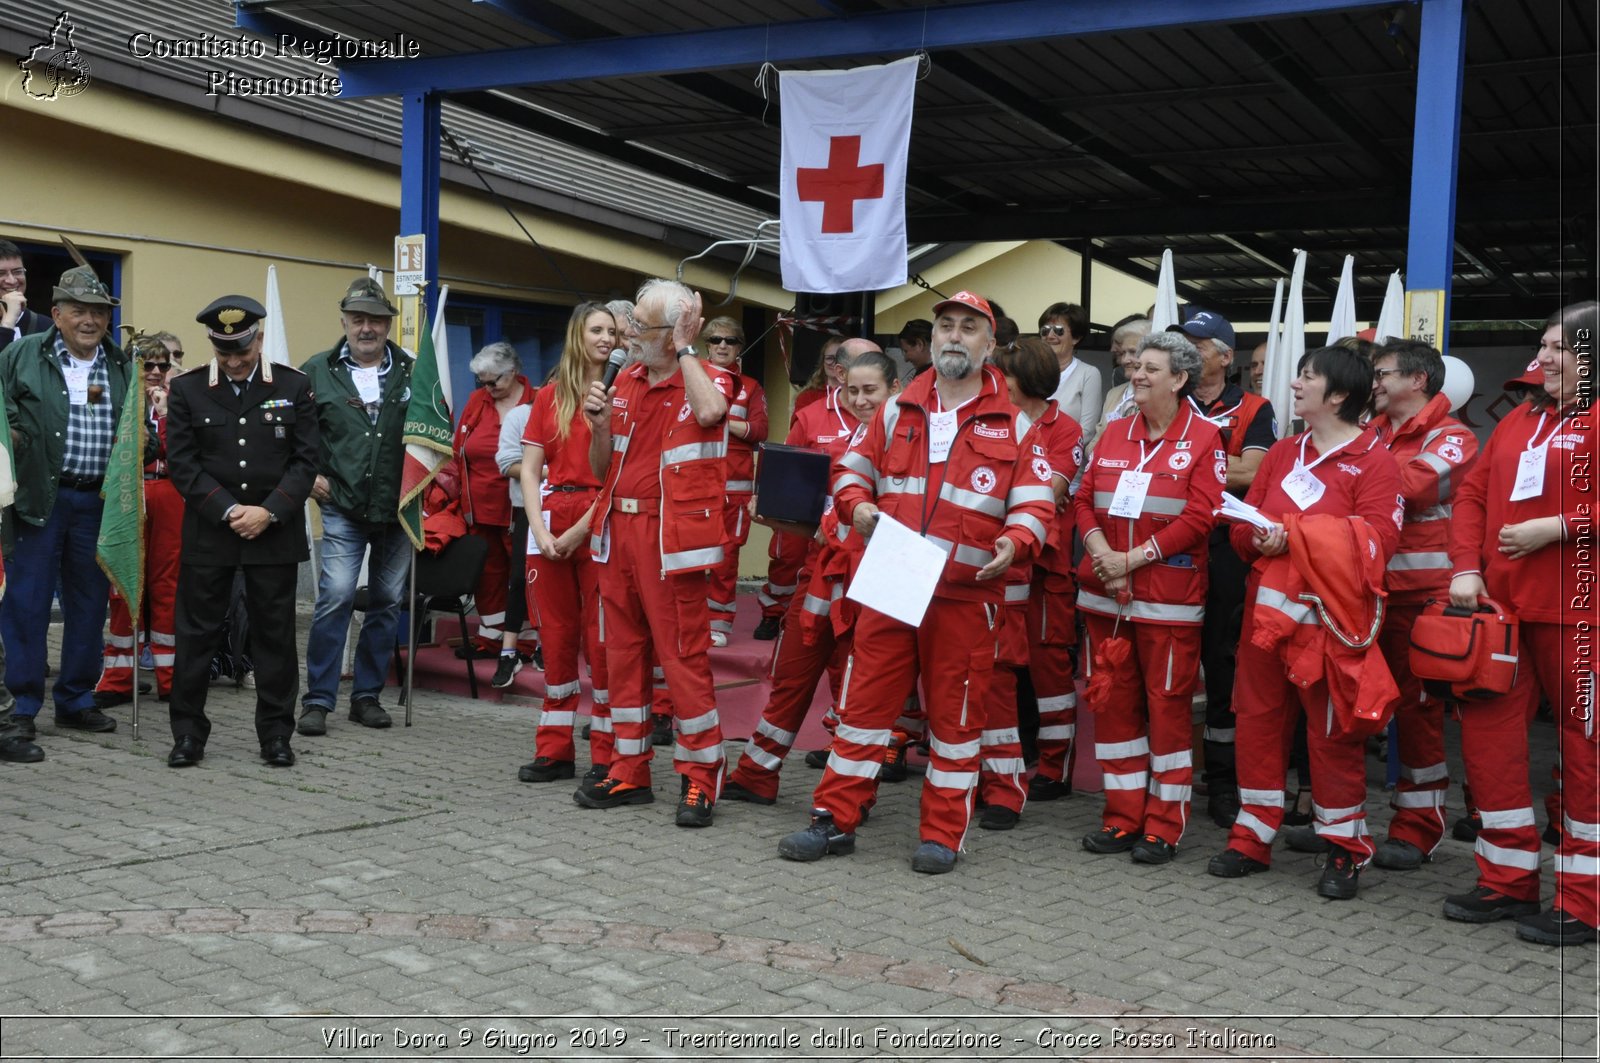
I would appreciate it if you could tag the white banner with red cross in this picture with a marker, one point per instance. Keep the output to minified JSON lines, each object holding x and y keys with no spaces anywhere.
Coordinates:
{"x":843,"y":179}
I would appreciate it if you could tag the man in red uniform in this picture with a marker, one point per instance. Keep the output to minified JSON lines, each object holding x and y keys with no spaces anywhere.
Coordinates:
{"x":943,"y":459}
{"x":1248,"y":432}
{"x":158,"y":356}
{"x":1434,"y":451}
{"x":659,"y":440}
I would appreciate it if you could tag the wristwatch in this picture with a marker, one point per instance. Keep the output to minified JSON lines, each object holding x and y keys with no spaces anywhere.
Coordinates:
{"x":1150,"y":554}
{"x":689,"y":350}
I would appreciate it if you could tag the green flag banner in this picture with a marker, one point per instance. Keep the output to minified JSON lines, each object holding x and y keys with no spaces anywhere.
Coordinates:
{"x":427,"y":436}
{"x":120,"y":548}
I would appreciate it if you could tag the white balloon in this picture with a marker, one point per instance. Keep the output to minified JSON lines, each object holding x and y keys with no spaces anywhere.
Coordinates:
{"x":1458,"y":381}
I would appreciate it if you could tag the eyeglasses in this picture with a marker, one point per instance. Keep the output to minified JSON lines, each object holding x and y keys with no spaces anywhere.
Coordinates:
{"x":157,"y":367}
{"x":1052,"y":330}
{"x":492,"y":381}
{"x":633,"y":323}
{"x":1379,"y":374}
{"x":714,"y":340}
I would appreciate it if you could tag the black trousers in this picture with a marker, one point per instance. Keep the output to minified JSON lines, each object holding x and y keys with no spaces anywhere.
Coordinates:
{"x":1219,"y":642}
{"x":517,"y":578}
{"x":203,"y":598}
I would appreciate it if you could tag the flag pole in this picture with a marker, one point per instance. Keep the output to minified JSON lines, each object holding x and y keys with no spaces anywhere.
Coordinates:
{"x":135,"y":671}
{"x":411,"y":635}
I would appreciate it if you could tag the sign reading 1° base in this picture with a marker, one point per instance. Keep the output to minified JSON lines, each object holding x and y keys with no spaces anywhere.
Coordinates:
{"x":410,"y":253}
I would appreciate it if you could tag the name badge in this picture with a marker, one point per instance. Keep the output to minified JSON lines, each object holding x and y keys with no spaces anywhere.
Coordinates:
{"x":1129,"y":498}
{"x":1530,"y":474}
{"x":77,"y":384}
{"x":1303,"y":488}
{"x":367,"y":384}
{"x":941,"y":433}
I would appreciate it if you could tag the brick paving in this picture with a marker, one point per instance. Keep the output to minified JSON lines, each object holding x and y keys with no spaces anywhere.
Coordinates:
{"x":400,"y":887}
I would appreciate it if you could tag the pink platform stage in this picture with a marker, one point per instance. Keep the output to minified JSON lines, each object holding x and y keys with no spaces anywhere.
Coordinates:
{"x":740,"y":669}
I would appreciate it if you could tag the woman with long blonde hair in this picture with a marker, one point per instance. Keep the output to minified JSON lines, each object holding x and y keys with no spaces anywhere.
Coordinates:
{"x":559,"y":491}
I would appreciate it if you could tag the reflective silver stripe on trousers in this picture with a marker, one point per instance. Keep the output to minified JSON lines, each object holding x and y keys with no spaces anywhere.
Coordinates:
{"x":861,"y":769}
{"x":600,"y":725}
{"x":698,"y":724}
{"x":1142,"y":610}
{"x":1017,"y":594}
{"x":952,"y":780}
{"x":692,"y":558}
{"x":602,"y":697}
{"x":708,"y":755}
{"x":1577,"y":865}
{"x":815,"y":606}
{"x":1432,"y":513}
{"x":1506,"y":819}
{"x":632,"y":747}
{"x":1583,"y":832}
{"x":1431,"y":773}
{"x":860,"y":736}
{"x":1171,"y":761}
{"x":1170,"y":792}
{"x":1414,"y":562}
{"x":1138,"y":747}
{"x":1350,"y":828}
{"x":1266,"y":798}
{"x":630,"y":714}
{"x":1419,"y":798}
{"x":778,"y":735}
{"x":762,"y":758}
{"x":556,"y":719}
{"x":999,"y":737}
{"x":1003,"y":765}
{"x":1137,"y":780}
{"x":1058,"y":733}
{"x":1249,"y":821}
{"x":952,"y":750}
{"x":1329,"y":815}
{"x":1058,"y":703}
{"x":1521,"y":859}
{"x":562,"y":690}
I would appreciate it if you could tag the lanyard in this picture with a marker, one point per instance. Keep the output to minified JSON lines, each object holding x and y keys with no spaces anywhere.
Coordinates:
{"x":1300,"y":462}
{"x":1539,"y":428}
{"x":832,"y":399}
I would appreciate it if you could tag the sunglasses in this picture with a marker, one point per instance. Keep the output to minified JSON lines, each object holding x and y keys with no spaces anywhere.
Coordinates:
{"x":713,"y":340}
{"x":157,"y":366}
{"x":492,"y":381}
{"x":1052,"y":330}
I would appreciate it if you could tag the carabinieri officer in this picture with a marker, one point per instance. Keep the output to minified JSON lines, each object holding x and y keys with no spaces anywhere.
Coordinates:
{"x":242,"y":450}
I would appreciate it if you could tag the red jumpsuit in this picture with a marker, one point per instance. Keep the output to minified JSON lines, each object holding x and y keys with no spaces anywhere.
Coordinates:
{"x":1434,"y":451}
{"x":163,"y":538}
{"x":1052,"y":617}
{"x":1552,"y":593}
{"x":816,"y":424}
{"x":1055,"y":438}
{"x":1143,"y":730}
{"x":1359,"y":479}
{"x":988,"y":485}
{"x":750,"y":406}
{"x":565,"y":594}
{"x":657,"y":531}
{"x":486,"y":506}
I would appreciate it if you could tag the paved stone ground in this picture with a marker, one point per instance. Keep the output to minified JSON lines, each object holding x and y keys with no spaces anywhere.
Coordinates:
{"x":399,"y":893}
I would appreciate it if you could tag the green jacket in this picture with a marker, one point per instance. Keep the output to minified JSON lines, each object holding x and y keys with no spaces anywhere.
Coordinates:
{"x":36,"y":406}
{"x":361,"y":460}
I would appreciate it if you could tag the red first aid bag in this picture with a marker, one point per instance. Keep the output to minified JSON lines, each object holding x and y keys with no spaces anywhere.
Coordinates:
{"x":1465,"y":654}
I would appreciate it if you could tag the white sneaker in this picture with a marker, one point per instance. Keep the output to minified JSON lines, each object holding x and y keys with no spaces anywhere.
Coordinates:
{"x":718,"y":638}
{"x":248,"y":681}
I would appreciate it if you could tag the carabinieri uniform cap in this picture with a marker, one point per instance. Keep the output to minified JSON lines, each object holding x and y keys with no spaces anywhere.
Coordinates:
{"x":232,"y":322}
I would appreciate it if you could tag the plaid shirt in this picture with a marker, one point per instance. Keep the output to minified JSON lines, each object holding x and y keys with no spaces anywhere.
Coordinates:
{"x":350,"y":363}
{"x":90,"y":427}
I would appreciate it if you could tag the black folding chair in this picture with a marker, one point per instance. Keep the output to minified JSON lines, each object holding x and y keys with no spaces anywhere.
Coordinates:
{"x":445,"y":581}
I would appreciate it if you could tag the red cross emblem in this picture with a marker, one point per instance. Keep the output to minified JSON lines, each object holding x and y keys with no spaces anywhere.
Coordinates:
{"x":837,"y":186}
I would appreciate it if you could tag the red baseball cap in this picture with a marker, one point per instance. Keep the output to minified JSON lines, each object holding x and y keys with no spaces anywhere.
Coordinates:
{"x":1532,"y":377}
{"x":968,"y":300}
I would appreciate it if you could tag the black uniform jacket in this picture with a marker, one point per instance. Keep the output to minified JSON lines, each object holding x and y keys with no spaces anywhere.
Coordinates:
{"x":254,"y":449}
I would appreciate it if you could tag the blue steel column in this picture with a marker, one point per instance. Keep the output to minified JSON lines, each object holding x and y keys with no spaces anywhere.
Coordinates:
{"x":1436,"y":151}
{"x":419,"y":181}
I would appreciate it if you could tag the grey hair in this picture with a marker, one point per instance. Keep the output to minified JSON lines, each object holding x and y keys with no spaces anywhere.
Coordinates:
{"x":1139,"y":326}
{"x":674,"y":298}
{"x":1183,"y":355}
{"x":620,"y":309}
{"x":498,"y":358}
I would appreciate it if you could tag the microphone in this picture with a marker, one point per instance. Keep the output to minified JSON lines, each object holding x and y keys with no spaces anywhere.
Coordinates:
{"x":614,"y":365}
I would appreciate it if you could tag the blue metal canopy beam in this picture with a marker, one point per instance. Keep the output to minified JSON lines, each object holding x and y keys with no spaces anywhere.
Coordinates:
{"x":882,"y":33}
{"x":419,"y":183}
{"x":1435,"y":149}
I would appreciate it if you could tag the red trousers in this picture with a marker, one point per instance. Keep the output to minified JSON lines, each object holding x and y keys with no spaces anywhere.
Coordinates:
{"x":1000,"y":763}
{"x":725,"y":577}
{"x":786,"y":557}
{"x":1419,"y":799}
{"x":1557,"y":660}
{"x":1143,"y":734}
{"x":797,"y":667}
{"x":1052,"y":629}
{"x":566,"y":596}
{"x":953,"y":653}
{"x":1267,"y":706}
{"x":490,"y":594}
{"x":163,"y":535}
{"x":645,"y":614}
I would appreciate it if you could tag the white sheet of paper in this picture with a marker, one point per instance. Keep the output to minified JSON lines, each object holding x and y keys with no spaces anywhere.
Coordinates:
{"x":1303,"y":488}
{"x":533,"y":544}
{"x":941,"y":433}
{"x":367,"y":384}
{"x":1242,"y":512}
{"x":77,"y":384}
{"x":1129,"y":498}
{"x":898,"y":572}
{"x":1530,"y":473}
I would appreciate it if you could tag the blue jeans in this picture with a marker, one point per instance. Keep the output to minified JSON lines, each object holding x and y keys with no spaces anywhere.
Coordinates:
{"x":62,"y":550}
{"x":344,"y":543}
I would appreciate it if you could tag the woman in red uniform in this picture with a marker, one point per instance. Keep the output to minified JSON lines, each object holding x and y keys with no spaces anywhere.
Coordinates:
{"x":1334,"y":467}
{"x":559,"y":490}
{"x":1524,"y":535}
{"x":817,"y":628}
{"x":1031,"y":373}
{"x":1145,"y":508}
{"x":485,"y":494}
{"x":723,"y":342}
